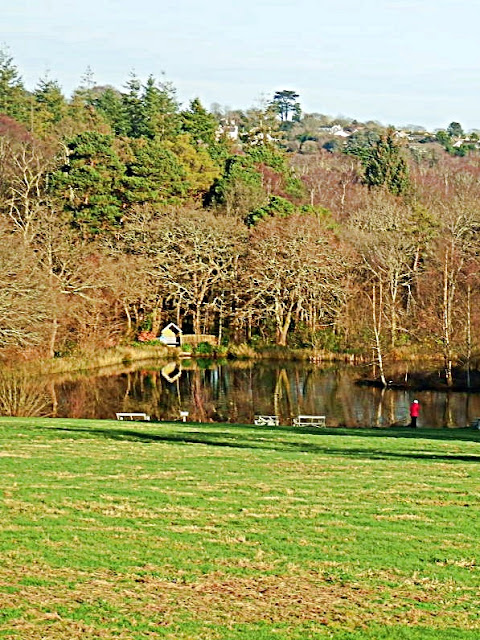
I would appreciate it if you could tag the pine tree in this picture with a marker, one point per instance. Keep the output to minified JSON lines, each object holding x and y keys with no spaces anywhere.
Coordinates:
{"x":202,"y":128}
{"x":285,"y":104}
{"x":201,"y":125}
{"x":50,"y":102}
{"x":385,"y":166}
{"x":90,"y":182}
{"x":111,"y":106}
{"x":159,"y":110}
{"x":86,"y":90}
{"x":133,"y":108}
{"x":14,"y":100}
{"x":153,"y":174}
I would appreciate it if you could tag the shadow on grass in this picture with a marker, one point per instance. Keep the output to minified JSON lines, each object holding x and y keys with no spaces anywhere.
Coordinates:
{"x":218,"y":438}
{"x":466,"y":434}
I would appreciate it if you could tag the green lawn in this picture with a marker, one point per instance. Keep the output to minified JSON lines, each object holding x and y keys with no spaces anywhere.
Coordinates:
{"x":179,"y":531}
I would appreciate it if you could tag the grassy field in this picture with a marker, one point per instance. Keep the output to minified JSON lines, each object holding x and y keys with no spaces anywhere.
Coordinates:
{"x":179,"y":531}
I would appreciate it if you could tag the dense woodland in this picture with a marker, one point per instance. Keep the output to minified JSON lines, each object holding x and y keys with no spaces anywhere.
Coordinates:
{"x":121,"y":210}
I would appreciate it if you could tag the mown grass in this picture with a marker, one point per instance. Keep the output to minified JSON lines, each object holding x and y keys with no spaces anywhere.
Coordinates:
{"x":183,"y":531}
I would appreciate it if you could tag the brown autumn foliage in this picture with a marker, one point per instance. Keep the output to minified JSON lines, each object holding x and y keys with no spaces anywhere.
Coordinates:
{"x":329,"y":263}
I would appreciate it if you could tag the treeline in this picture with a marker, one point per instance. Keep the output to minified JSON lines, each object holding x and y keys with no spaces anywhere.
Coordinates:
{"x":121,"y":211}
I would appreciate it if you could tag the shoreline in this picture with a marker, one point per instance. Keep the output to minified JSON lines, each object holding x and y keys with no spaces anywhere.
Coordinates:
{"x":427,"y":374}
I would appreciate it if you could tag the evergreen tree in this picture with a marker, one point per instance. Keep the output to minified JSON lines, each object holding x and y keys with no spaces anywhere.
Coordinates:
{"x":385,"y":166}
{"x":153,"y":174}
{"x":90,"y":182}
{"x":50,"y":102}
{"x":14,"y":100}
{"x":151,"y":110}
{"x":286,"y":105}
{"x":133,"y":108}
{"x":202,"y":128}
{"x":159,"y":110}
{"x":108,"y":102}
{"x":455,"y":130}
{"x":86,"y":90}
{"x":201,"y":125}
{"x":361,"y":144}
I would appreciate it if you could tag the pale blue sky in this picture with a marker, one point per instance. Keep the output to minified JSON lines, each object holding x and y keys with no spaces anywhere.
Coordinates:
{"x":396,"y":61}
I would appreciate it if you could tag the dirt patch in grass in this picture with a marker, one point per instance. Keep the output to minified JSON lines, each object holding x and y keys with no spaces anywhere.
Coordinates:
{"x":294,"y":599}
{"x":65,"y":604}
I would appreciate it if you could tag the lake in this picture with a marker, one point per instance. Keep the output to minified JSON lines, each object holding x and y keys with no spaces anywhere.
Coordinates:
{"x":236,"y":392}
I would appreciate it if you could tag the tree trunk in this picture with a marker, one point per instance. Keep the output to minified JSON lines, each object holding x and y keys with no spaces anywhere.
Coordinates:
{"x":196,"y":321}
{"x":447,"y":322}
{"x":282,"y":329}
{"x":156,"y":316}
{"x":393,"y":311}
{"x":129,"y":319}
{"x":469,"y":333}
{"x":53,"y":337}
{"x":220,"y":324}
{"x":179,"y":310}
{"x":377,"y":324}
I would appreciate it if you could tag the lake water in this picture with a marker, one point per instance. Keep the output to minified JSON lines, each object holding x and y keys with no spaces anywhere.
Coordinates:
{"x":236,"y":392}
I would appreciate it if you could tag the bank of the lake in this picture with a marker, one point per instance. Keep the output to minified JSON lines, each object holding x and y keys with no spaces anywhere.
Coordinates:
{"x":102,"y":358}
{"x":225,"y":531}
{"x":123,"y":354}
{"x":138,"y":352}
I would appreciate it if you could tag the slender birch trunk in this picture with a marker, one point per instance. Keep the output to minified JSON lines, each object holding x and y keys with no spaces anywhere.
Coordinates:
{"x":376,"y":317}
{"x":447,"y":320}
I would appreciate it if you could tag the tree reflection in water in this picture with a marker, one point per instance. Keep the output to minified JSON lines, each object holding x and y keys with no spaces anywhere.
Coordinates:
{"x":24,"y":395}
{"x":235,"y":392}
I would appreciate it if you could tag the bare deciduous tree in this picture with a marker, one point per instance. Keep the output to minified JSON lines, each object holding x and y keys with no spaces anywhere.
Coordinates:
{"x":292,"y":266}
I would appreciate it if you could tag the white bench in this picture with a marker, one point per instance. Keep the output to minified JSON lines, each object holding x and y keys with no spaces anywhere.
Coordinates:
{"x":132,"y":416}
{"x":266,"y":421}
{"x":309,"y":421}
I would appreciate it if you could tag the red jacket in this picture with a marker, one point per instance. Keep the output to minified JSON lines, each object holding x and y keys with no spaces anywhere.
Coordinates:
{"x":414,"y":409}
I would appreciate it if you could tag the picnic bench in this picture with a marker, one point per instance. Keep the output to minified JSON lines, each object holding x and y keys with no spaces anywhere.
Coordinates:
{"x":266,"y":421}
{"x":132,"y":416}
{"x":309,"y":421}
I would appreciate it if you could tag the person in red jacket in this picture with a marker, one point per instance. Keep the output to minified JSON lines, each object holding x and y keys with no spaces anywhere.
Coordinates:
{"x":414,"y":411}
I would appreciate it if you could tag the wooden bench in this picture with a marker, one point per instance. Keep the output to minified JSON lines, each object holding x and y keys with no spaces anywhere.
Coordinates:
{"x":266,"y":421}
{"x":309,"y":421}
{"x":132,"y":416}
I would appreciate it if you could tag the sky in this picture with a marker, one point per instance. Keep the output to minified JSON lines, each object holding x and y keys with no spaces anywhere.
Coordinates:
{"x":395,"y":61}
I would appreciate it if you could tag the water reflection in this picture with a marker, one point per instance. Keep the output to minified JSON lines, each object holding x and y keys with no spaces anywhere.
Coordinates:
{"x":236,"y":392}
{"x":24,"y":395}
